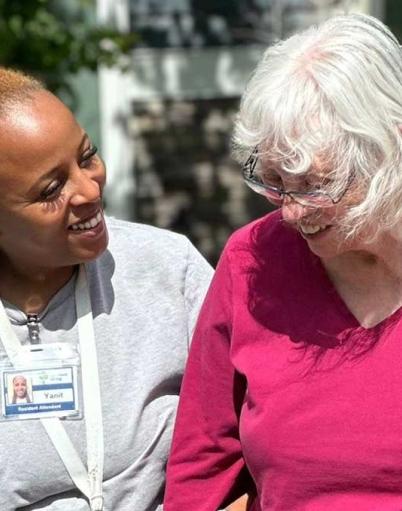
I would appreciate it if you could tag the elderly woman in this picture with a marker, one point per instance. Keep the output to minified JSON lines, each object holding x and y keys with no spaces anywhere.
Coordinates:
{"x":293,"y":388}
{"x":83,"y":319}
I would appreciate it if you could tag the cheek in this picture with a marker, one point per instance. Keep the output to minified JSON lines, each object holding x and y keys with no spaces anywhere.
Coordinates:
{"x":36,"y":228}
{"x":336,"y":213}
{"x":352,"y":198}
{"x":329,"y":215}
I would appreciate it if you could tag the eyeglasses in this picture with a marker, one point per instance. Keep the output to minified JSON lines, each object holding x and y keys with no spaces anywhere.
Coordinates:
{"x":313,"y":199}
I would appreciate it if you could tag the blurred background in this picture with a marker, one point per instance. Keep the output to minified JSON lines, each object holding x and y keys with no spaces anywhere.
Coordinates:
{"x":157,"y":84}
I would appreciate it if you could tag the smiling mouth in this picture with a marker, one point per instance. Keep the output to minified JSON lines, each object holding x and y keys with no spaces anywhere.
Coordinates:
{"x":91,"y":223}
{"x":313,"y":229}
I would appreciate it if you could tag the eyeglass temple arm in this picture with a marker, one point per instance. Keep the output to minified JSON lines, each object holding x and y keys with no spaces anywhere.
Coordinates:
{"x":251,"y":162}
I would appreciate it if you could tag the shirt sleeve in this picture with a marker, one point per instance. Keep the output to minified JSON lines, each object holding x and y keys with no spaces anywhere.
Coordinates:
{"x":206,"y":470}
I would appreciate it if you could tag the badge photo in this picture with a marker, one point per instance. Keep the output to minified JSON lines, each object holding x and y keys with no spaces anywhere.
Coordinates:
{"x":35,"y":393}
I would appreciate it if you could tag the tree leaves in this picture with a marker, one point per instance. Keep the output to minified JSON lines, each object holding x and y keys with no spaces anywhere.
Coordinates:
{"x":52,"y":39}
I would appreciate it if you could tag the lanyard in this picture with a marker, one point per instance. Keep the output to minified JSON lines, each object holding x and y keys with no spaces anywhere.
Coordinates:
{"x":89,"y":482}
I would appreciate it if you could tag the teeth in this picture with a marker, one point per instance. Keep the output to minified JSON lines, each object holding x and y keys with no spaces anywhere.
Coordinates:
{"x":89,"y":224}
{"x":312,"y":229}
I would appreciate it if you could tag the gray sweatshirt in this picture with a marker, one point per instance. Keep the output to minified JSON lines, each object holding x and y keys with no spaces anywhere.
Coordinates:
{"x":146,"y":291}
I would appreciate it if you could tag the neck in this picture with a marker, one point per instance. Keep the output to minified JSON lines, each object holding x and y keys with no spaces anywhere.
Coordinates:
{"x":370,"y":280}
{"x":375,"y":260}
{"x":31,"y":289}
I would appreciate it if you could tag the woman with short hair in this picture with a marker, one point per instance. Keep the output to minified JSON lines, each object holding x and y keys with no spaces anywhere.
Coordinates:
{"x":293,"y":387}
{"x":89,"y":306}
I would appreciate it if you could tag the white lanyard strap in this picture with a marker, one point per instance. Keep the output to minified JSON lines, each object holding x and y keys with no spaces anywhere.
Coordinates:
{"x":10,"y":340}
{"x":89,"y":482}
{"x":67,"y":452}
{"x":91,"y":391}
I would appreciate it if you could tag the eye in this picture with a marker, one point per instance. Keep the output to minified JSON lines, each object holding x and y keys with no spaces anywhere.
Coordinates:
{"x":88,"y":157}
{"x":52,"y":191}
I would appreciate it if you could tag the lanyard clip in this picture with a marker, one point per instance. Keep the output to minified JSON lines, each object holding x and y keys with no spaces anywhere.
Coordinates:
{"x":96,"y":503}
{"x":33,"y":328}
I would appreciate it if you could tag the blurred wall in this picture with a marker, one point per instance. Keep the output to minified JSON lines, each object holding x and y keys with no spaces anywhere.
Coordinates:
{"x":166,"y":124}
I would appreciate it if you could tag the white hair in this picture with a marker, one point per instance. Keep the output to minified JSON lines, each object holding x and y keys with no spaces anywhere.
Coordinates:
{"x":332,"y":93}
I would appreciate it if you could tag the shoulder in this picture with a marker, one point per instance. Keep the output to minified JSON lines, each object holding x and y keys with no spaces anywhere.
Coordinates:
{"x":146,"y":254}
{"x":145,"y":264}
{"x":144,"y":239}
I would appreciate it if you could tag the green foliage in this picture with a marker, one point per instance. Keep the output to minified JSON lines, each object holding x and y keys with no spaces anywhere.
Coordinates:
{"x":52,"y":39}
{"x":393,"y":17}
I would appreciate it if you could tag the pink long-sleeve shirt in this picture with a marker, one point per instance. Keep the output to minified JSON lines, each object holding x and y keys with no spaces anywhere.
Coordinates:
{"x":284,"y":385}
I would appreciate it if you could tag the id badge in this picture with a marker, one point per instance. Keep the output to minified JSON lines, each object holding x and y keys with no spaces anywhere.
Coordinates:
{"x":45,"y":381}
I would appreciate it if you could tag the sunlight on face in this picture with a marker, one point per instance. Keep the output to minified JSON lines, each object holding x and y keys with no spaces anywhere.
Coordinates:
{"x":52,"y":181}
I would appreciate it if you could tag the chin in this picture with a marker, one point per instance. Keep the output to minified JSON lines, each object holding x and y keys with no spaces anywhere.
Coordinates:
{"x":90,"y":254}
{"x":332,"y":247}
{"x":88,"y":257}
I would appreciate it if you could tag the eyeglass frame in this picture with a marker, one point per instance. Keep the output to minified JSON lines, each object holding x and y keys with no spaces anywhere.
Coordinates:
{"x":248,"y":176}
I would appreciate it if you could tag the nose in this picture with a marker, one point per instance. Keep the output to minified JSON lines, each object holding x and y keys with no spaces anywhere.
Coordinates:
{"x":292,"y":211}
{"x":87,"y":187}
